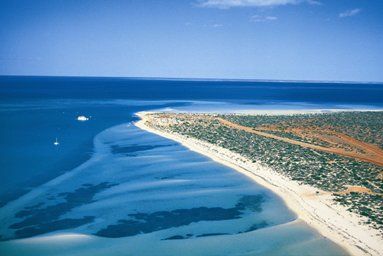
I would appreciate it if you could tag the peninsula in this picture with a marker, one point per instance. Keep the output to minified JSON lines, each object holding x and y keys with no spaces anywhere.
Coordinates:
{"x":327,"y":167}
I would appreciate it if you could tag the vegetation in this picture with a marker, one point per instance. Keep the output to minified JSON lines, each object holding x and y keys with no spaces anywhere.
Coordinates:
{"x":326,"y":171}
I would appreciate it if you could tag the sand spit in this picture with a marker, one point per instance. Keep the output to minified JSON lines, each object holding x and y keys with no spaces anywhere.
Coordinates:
{"x":313,"y":206}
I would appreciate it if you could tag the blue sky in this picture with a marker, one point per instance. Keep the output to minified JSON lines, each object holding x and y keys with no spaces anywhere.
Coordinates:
{"x":239,"y":39}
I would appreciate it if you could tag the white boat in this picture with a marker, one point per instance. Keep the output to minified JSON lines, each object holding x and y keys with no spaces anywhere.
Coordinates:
{"x":82,"y":118}
{"x":56,"y":143}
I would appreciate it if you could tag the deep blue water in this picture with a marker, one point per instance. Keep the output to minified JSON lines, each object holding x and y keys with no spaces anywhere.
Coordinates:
{"x":36,"y":110}
{"x":15,"y":88}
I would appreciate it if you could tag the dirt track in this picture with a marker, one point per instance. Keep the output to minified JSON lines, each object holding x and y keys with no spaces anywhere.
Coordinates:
{"x":372,"y":154}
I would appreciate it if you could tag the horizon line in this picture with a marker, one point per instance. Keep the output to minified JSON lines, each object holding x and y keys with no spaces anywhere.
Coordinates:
{"x":206,"y":79}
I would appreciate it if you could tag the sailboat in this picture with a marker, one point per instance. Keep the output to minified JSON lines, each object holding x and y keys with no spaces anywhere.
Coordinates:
{"x":56,"y":143}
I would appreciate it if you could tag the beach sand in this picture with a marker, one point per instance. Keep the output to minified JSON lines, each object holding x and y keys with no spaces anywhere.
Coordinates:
{"x":313,"y":206}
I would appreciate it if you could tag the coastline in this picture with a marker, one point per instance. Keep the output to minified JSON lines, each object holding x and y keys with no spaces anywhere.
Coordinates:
{"x":318,"y":210}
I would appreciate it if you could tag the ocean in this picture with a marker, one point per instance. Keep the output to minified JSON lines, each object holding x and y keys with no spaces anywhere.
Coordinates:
{"x":111,"y":188}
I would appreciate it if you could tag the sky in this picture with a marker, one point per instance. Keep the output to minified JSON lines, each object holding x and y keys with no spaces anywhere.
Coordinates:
{"x":337,"y":40}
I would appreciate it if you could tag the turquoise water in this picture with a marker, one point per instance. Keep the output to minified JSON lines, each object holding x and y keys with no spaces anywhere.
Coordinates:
{"x":112,"y":189}
{"x":141,"y":194}
{"x":29,"y":128}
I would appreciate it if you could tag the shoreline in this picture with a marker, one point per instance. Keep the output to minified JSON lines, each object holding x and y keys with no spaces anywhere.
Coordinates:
{"x":311,"y":205}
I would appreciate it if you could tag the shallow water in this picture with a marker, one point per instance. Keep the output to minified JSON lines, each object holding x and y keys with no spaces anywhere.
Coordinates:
{"x":141,"y":194}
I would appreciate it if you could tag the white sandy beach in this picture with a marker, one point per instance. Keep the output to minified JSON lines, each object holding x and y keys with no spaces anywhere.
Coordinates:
{"x":316,"y":209}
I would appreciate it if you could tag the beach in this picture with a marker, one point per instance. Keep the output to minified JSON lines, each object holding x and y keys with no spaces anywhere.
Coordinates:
{"x":313,"y":206}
